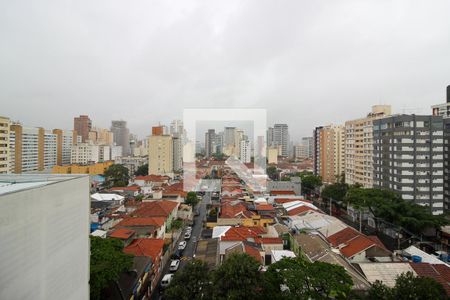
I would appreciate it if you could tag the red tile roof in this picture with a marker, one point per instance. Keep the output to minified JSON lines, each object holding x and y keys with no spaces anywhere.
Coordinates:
{"x":264,"y":207}
{"x":155,"y":178}
{"x":122,"y":233}
{"x":299,"y":210}
{"x":155,"y":209}
{"x":268,"y":241}
{"x":135,"y":188}
{"x":357,"y":245}
{"x":282,"y":192}
{"x":145,"y":247}
{"x":287,"y":200}
{"x":143,"y":221}
{"x":175,"y":189}
{"x":253,"y":252}
{"x":228,"y":210}
{"x":242,"y":233}
{"x":377,"y":241}
{"x":343,"y":236}
{"x":440,"y":273}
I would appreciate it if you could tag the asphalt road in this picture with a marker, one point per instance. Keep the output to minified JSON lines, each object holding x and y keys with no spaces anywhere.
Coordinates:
{"x":189,"y":251}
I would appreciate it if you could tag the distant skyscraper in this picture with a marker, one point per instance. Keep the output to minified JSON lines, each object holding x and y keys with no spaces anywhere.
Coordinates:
{"x":308,"y":144}
{"x":177,"y":152}
{"x":210,"y":142}
{"x":219,"y":142}
{"x":270,"y":141}
{"x":281,"y":138}
{"x":408,"y":158}
{"x":229,"y":136}
{"x":121,"y":136}
{"x":245,"y":151}
{"x":82,"y":125}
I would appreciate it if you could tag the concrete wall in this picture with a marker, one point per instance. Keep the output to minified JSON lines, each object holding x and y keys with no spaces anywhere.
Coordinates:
{"x":44,"y":234}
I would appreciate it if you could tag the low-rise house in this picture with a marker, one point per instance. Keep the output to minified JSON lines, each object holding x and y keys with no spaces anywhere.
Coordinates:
{"x":151,"y":180}
{"x":251,"y":249}
{"x":99,"y":233}
{"x":110,"y":199}
{"x":132,"y":284}
{"x":144,"y":227}
{"x":207,"y":250}
{"x":126,"y":235}
{"x":165,"y":209}
{"x":277,"y":255}
{"x":152,"y":248}
{"x":128,"y":191}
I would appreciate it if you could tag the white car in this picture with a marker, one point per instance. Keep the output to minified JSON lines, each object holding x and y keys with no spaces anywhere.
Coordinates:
{"x":166,"y":280}
{"x":189,"y":228}
{"x":174,"y":264}
{"x":187,"y":235}
{"x":182,"y":245}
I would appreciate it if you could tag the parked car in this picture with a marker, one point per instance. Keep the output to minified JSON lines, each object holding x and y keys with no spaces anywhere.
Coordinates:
{"x":166,"y":280}
{"x":182,"y":245}
{"x":174,"y":264}
{"x":177,"y":255}
{"x":189,"y":228}
{"x":187,"y":235}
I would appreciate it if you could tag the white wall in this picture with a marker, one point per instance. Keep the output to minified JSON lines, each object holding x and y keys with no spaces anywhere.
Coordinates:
{"x":44,"y":242}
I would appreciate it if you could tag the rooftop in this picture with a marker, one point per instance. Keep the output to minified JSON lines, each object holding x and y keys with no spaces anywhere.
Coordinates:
{"x":12,"y":183}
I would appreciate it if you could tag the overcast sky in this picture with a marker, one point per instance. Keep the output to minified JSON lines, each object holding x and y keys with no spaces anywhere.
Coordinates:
{"x":308,"y":63}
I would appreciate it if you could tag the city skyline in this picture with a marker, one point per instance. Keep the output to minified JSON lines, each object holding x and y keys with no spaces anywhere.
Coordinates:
{"x":313,"y":56}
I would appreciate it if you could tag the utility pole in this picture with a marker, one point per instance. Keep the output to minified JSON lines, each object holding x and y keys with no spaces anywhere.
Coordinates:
{"x":360,"y":221}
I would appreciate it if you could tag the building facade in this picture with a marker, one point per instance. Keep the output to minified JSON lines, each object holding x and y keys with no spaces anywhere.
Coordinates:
{"x":245,"y":151}
{"x":160,"y":155}
{"x":82,"y":125}
{"x":443,"y":110}
{"x":408,"y":158}
{"x":35,"y":210}
{"x":121,"y":136}
{"x":210,"y":142}
{"x":4,"y":145}
{"x":308,"y":144}
{"x":359,"y":147}
{"x":177,"y":152}
{"x":329,"y":147}
{"x":281,"y":138}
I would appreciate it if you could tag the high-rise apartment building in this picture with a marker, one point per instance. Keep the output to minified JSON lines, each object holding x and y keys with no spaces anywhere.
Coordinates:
{"x":281,"y":138}
{"x":245,"y":151}
{"x":64,"y":139}
{"x":50,"y":149}
{"x":359,"y":147}
{"x":408,"y":158}
{"x":219,"y":142}
{"x":229,"y":136}
{"x":160,"y":155}
{"x":121,"y":136}
{"x":444,"y":111}
{"x":82,"y":125}
{"x":26,"y":149}
{"x":177,"y":152}
{"x":329,"y":147}
{"x":308,"y":144}
{"x":270,"y":141}
{"x":210,"y":142}
{"x":4,"y":145}
{"x":300,"y":151}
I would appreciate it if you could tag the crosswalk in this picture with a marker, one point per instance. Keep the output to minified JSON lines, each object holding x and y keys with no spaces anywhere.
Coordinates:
{"x":185,"y":258}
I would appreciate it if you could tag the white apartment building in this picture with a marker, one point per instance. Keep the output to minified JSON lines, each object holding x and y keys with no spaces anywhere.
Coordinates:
{"x":359,"y":147}
{"x":44,"y":237}
{"x":245,"y":151}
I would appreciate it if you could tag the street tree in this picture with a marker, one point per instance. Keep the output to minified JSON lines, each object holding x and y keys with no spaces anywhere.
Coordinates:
{"x":310,"y":182}
{"x":116,"y":175}
{"x":142,"y":170}
{"x":296,"y":278}
{"x":191,"y":199}
{"x":408,"y":286}
{"x":238,"y":278}
{"x":107,"y":262}
{"x":190,"y":283}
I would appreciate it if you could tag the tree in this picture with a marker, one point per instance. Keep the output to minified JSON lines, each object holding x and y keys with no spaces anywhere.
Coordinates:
{"x":107,"y":262}
{"x":296,"y":278}
{"x":193,"y":282}
{"x":272,"y":172}
{"x":116,"y":175}
{"x":408,"y":286}
{"x":237,"y":278}
{"x":191,"y":199}
{"x":389,"y":206}
{"x":142,"y":170}
{"x":310,"y":182}
{"x":337,"y":190}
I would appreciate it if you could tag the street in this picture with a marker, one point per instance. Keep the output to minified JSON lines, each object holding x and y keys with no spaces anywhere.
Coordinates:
{"x":189,"y":251}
